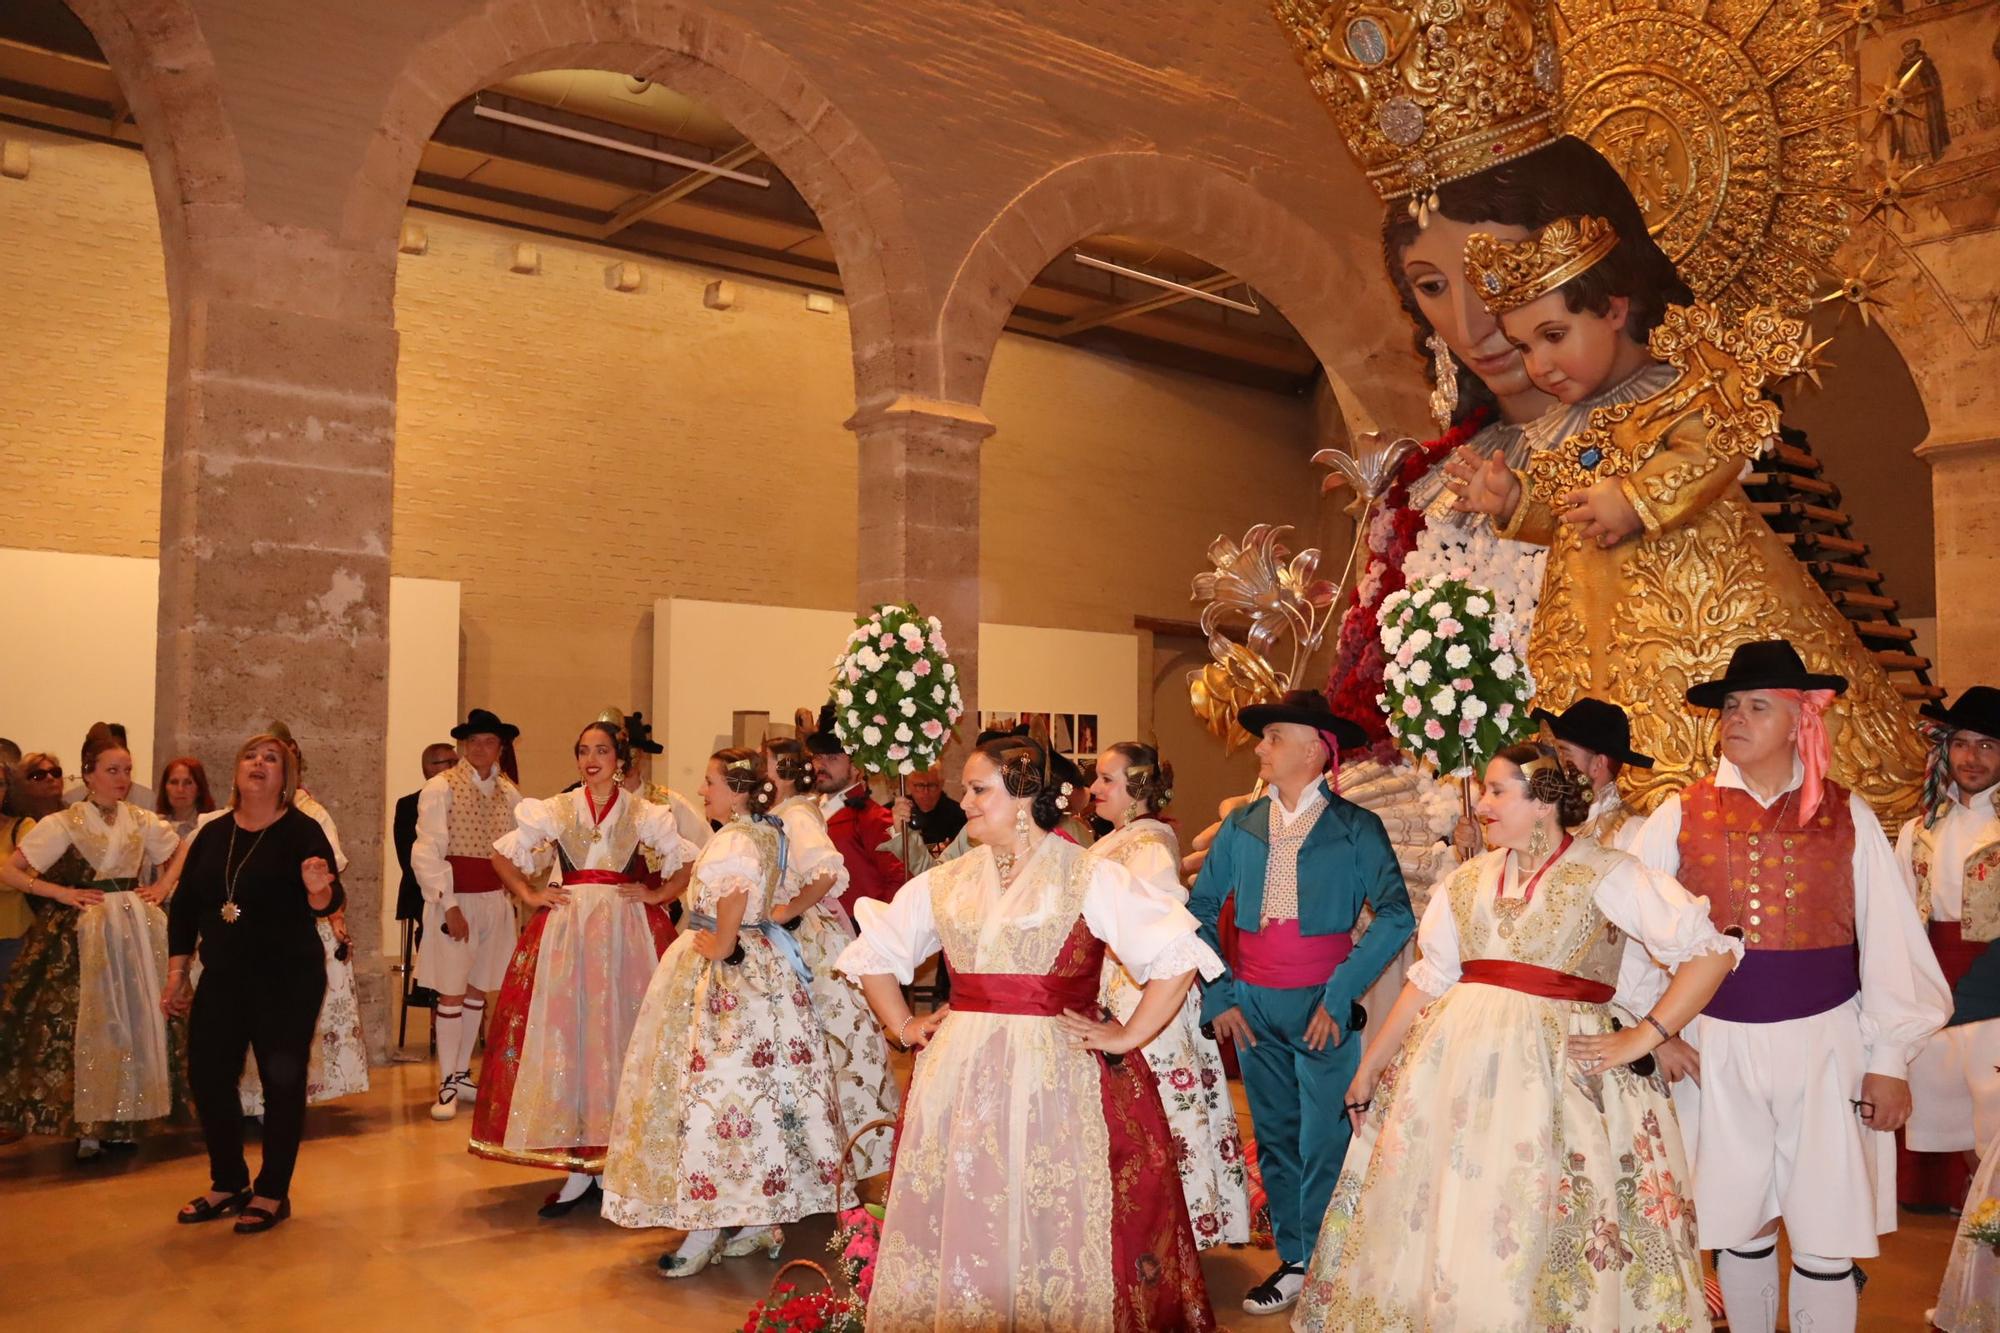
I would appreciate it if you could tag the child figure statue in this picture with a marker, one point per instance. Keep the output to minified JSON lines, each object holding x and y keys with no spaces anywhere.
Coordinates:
{"x":1659,"y":567}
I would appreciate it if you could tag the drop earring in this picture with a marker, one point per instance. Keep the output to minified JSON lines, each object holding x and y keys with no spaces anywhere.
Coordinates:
{"x":1538,"y":846}
{"x":1444,"y":382}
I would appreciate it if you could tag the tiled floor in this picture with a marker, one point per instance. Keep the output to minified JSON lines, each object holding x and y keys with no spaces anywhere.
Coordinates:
{"x":398,"y":1227}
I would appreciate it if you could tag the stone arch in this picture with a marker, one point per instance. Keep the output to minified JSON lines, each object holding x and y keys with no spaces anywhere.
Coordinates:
{"x":165,"y":69}
{"x":1202,"y":209}
{"x":700,"y":53}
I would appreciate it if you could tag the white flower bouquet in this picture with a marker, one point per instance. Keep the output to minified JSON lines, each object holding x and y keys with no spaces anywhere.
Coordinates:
{"x":1455,"y":686}
{"x":895,"y":691}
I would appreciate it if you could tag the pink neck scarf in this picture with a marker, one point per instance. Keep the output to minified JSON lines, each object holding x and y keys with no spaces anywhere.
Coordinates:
{"x":1815,"y":751}
{"x":1332,"y":759}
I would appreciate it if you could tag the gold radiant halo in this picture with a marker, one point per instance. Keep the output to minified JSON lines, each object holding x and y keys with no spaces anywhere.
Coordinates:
{"x":1733,"y":126}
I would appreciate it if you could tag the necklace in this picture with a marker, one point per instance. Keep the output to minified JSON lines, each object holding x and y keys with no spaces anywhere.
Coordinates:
{"x":230,"y":911}
{"x":597,"y":816}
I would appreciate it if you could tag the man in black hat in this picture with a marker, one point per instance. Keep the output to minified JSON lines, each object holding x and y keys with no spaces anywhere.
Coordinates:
{"x":1951,"y":856}
{"x":468,"y":916}
{"x":858,"y":823}
{"x":639,"y":781}
{"x":1803,"y":1054}
{"x":1301,"y":863}
{"x":1595,"y":738}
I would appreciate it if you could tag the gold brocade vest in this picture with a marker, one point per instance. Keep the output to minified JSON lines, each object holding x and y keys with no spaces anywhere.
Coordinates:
{"x":576,"y":833}
{"x":1979,"y":916}
{"x":1642,"y":622}
{"x":1560,"y":927}
{"x":478,"y":819}
{"x":1782,"y":887}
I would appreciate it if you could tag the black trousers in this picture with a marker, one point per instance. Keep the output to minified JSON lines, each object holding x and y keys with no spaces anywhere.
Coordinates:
{"x":271,"y":1010}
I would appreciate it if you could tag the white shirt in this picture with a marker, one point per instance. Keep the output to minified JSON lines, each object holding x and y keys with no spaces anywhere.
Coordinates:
{"x":1903,"y":995}
{"x":115,"y":848}
{"x":1961,"y":828}
{"x":428,"y":860}
{"x":1284,"y":816}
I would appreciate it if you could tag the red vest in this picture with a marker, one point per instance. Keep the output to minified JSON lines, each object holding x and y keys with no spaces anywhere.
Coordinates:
{"x":1785,"y":888}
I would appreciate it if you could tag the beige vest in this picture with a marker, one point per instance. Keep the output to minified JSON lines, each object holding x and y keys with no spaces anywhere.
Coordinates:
{"x":478,"y":819}
{"x":1980,"y":916}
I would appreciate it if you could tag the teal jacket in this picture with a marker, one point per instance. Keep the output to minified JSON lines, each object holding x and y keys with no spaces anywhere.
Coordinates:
{"x":1345,"y":862}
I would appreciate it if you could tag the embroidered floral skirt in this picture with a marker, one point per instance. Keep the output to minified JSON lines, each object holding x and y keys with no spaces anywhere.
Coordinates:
{"x":117,"y":996}
{"x":339,"y":1066}
{"x":727,"y":1114}
{"x":1208,"y":1146}
{"x":1494,"y":1188}
{"x":1969,"y":1300}
{"x":560,"y":1027}
{"x":854,"y":1042}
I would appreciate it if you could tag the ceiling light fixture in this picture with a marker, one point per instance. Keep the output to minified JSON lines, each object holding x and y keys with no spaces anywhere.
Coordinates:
{"x":1195,"y":293}
{"x":618,"y":145}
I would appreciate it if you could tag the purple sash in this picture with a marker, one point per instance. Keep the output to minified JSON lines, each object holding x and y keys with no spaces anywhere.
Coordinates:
{"x":1777,"y":985}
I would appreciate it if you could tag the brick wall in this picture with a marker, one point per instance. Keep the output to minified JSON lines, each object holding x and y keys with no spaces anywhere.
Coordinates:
{"x":568,"y":452}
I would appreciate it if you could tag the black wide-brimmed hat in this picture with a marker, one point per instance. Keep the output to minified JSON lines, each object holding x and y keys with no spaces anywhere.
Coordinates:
{"x":1308,"y":708}
{"x":825,"y":740}
{"x":1978,"y":709}
{"x":479,"y":722}
{"x":1598,"y":727}
{"x":639,"y":734}
{"x":1768,"y":664}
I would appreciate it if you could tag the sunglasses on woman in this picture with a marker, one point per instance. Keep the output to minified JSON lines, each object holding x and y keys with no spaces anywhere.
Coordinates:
{"x":44,"y":775}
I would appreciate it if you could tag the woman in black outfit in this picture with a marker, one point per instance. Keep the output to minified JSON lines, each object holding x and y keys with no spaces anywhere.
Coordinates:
{"x":251,"y":887}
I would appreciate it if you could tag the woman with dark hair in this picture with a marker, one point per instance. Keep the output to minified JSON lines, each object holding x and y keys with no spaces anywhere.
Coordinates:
{"x":564,"y":1015}
{"x":184,"y":796}
{"x":1457,"y":123}
{"x":727,"y":1114}
{"x":1509,"y":1167}
{"x":1132,"y":786}
{"x":84,"y":1050}
{"x":809,"y":907}
{"x":255,"y":883}
{"x":1035,"y":1181}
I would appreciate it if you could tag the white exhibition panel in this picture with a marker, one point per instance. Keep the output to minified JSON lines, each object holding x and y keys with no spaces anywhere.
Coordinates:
{"x":712,"y":660}
{"x":89,"y":626}
{"x":423,"y":708}
{"x":81,"y":630}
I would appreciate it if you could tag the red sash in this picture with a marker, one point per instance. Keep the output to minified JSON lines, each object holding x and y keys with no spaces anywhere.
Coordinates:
{"x":1019,"y":993}
{"x":595,"y":877}
{"x":1531,"y":980}
{"x":474,"y":874}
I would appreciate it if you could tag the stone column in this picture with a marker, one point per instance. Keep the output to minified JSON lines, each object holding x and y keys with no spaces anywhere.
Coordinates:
{"x":274,"y":547}
{"x":919,"y":521}
{"x":1965,"y":499}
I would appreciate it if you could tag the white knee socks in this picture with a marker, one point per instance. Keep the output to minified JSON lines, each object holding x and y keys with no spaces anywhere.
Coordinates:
{"x":1825,"y":1296}
{"x":446,"y":1023}
{"x":1749,"y":1281}
{"x":468,"y":1037}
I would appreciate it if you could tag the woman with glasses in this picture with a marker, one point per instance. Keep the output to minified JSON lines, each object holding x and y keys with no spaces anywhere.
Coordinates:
{"x":84,"y":1051}
{"x":41,"y":786}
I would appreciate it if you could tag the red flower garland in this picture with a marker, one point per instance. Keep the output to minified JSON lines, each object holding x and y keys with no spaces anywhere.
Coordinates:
{"x":1356,"y":677}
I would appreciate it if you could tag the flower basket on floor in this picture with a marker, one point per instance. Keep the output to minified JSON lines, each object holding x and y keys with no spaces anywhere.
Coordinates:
{"x":789,"y":1308}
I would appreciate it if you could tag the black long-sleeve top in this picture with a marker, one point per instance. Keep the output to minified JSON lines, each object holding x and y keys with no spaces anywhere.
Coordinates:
{"x":276,"y":921}
{"x":409,"y":894}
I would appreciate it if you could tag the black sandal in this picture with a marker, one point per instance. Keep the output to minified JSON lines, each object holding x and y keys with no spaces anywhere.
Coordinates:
{"x":254,"y":1220}
{"x":203,"y":1209}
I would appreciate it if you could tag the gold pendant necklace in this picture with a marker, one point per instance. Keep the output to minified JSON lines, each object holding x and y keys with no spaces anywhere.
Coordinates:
{"x":230,"y":910}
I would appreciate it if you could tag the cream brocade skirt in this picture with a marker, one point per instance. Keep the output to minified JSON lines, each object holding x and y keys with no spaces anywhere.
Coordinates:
{"x":726,"y":1114}
{"x":858,"y":1051}
{"x":1494,"y":1188}
{"x":121,"y":1034}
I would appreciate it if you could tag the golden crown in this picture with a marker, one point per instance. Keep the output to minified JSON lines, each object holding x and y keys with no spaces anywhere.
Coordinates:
{"x":1509,"y":274}
{"x":1428,"y":91}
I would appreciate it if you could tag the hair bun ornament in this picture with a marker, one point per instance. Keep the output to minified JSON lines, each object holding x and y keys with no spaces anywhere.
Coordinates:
{"x":768,"y":787}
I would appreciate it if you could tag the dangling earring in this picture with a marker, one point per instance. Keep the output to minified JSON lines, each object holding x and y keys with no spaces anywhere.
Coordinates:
{"x":1021,"y":826}
{"x":1538,"y":846}
{"x":1444,"y":389}
{"x":1131,"y":813}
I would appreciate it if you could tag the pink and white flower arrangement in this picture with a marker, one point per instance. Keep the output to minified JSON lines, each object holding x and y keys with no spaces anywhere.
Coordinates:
{"x":895,"y":665}
{"x":1454,"y":686}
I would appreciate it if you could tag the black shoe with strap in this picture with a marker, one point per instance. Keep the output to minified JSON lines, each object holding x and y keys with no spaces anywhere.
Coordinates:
{"x":556,"y":1206}
{"x":201,"y":1208}
{"x":256,"y":1219}
{"x":1274,"y":1294}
